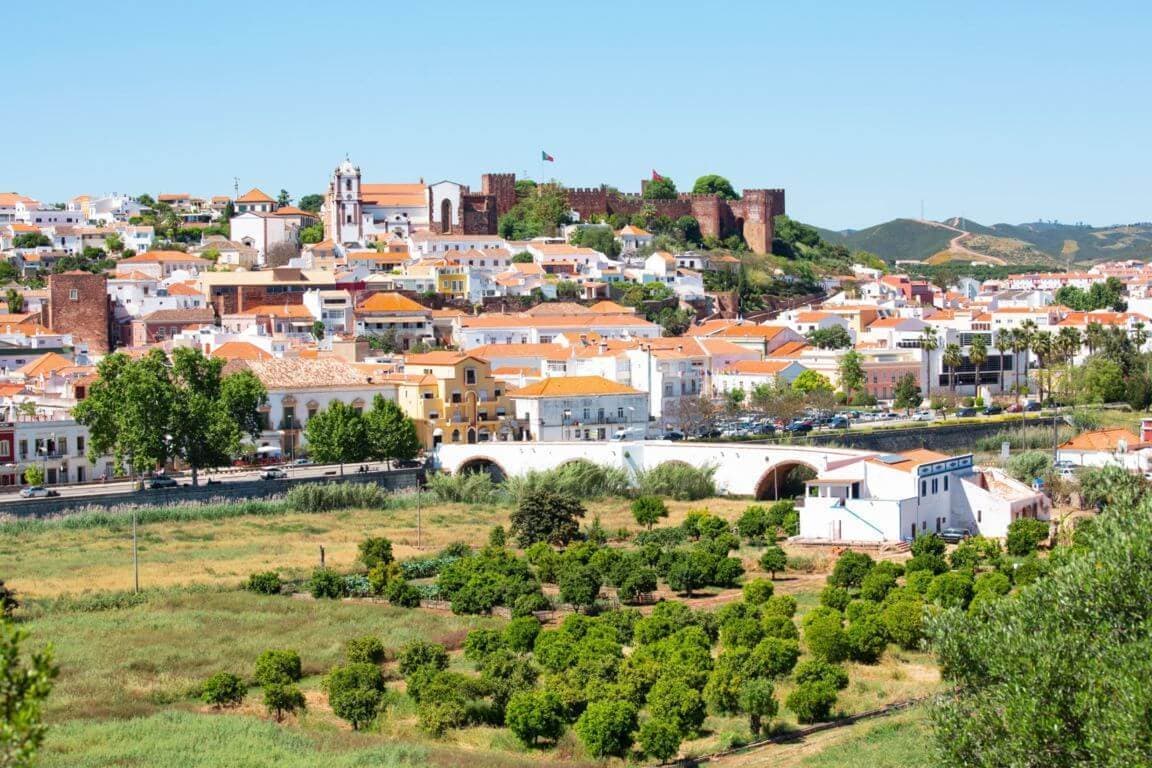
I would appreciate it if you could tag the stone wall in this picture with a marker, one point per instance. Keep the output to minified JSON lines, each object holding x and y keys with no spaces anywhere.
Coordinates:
{"x":78,"y":304}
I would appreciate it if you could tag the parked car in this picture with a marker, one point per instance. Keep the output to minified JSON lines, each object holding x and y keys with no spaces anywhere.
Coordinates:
{"x":993,"y":410}
{"x":798,"y":428}
{"x":673,"y":435}
{"x":922,"y":416}
{"x":161,"y":481}
{"x":1031,"y":407}
{"x":302,"y":462}
{"x":1014,"y":408}
{"x":36,"y":492}
{"x":274,"y":473}
{"x":965,"y":413}
{"x":839,"y":422}
{"x":955,"y":535}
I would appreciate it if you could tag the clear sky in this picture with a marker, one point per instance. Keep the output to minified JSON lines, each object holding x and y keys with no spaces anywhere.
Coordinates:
{"x":998,"y":111}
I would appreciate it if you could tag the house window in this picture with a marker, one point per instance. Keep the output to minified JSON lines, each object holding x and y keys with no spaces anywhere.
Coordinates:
{"x":74,"y":295}
{"x":469,"y":376}
{"x":979,"y":515}
{"x":5,"y":449}
{"x":945,"y":482}
{"x":620,"y":412}
{"x":935,"y":485}
{"x":923,"y":487}
{"x":80,"y":445}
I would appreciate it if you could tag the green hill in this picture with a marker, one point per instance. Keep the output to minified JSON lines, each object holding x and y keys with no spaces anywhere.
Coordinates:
{"x":1032,"y":243}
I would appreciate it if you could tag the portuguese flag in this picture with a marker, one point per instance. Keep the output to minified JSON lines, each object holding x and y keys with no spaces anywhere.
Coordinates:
{"x":546,"y":158}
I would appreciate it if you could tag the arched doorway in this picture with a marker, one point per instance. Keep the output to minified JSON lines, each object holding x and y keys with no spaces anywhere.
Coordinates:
{"x":784,"y":481}
{"x":445,"y":216}
{"x":471,"y":435}
{"x":483,"y":464}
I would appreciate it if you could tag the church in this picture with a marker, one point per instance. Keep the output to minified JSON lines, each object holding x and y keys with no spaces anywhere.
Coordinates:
{"x":356,"y":213}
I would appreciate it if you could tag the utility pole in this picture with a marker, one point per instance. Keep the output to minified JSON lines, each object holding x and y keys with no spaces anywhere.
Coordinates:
{"x":135,"y":557}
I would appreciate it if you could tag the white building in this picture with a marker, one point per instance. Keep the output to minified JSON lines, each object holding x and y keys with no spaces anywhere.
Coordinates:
{"x":580,"y":408}
{"x":1110,"y":448}
{"x":746,"y":375}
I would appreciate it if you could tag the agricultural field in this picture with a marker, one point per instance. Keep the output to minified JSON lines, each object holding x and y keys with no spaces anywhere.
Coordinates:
{"x":133,"y":666}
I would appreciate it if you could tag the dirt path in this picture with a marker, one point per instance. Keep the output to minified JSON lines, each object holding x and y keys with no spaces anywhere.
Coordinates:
{"x":956,"y":244}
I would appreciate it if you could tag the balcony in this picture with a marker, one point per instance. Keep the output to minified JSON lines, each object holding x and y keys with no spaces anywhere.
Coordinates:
{"x":288,"y":423}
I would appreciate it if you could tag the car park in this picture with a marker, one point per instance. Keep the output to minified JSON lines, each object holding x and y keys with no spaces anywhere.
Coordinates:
{"x":798,"y":428}
{"x":838,"y":422}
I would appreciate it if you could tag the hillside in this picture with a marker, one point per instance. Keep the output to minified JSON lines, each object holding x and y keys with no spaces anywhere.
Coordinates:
{"x":959,"y":239}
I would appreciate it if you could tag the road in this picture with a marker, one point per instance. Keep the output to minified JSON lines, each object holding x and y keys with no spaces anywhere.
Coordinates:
{"x":303,"y":471}
{"x":956,"y":244}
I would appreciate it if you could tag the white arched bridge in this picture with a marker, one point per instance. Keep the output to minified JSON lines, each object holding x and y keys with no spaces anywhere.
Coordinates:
{"x":741,"y":469}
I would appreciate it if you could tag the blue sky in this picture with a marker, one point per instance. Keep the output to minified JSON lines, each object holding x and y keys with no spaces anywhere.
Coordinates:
{"x":859,"y":110}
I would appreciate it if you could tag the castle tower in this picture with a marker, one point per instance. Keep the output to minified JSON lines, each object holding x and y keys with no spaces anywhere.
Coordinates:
{"x":345,"y":223}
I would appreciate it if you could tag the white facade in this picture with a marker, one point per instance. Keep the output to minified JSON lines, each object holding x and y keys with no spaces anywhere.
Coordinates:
{"x":583,"y":417}
{"x":263,"y":230}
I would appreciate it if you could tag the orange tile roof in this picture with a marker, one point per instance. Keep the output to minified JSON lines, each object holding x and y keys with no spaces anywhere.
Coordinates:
{"x":549,"y":321}
{"x":628,"y":229}
{"x":49,"y":363}
{"x":758,"y":367}
{"x":490,"y":351}
{"x":182,"y":289}
{"x":813,"y":317}
{"x":240,"y":350}
{"x":389,"y":302}
{"x":1104,"y":440}
{"x":572,"y":386}
{"x":279,"y":310}
{"x":154,"y":257}
{"x":11,"y":198}
{"x":254,"y":195}
{"x":609,"y":308}
{"x":912,"y":459}
{"x":440,"y":357}
{"x":291,"y":210}
{"x":402,"y":195}
{"x":515,"y":370}
{"x":790,"y":349}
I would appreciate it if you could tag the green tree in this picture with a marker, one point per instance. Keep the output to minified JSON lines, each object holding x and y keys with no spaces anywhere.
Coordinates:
{"x":675,"y":702}
{"x":375,"y":551}
{"x":25,"y":682}
{"x":907,"y":393}
{"x":774,"y":560}
{"x":978,"y":355}
{"x":810,"y":382}
{"x":542,"y":211}
{"x":904,"y":622}
{"x":598,"y":238}
{"x":337,"y":435}
{"x":364,"y":650}
{"x":534,"y":715}
{"x":758,"y":701}
{"x":391,"y":434}
{"x":812,"y":702}
{"x":546,"y":516}
{"x":647,"y":510}
{"x":1024,"y":535}
{"x":313,"y":234}
{"x":711,"y":184}
{"x":605,"y":729}
{"x":852,"y":378}
{"x":355,"y":692}
{"x":579,"y":585}
{"x":34,"y":474}
{"x":223,"y":689}
{"x":755,"y":523}
{"x":691,"y":570}
{"x":422,"y":654}
{"x":31,"y":240}
{"x":661,"y":188}
{"x":850,"y":569}
{"x":659,"y":739}
{"x":952,"y":360}
{"x":867,"y":639}
{"x":277,"y":666}
{"x":15,"y":301}
{"x":283,"y":199}
{"x":281,"y":699}
{"x":523,"y":258}
{"x":824,"y":636}
{"x":311,"y":203}
{"x":834,"y":337}
{"x":264,"y":583}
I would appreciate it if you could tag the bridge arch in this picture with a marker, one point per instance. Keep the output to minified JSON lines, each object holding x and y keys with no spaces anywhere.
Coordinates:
{"x":483,"y":464}
{"x":784,"y":480}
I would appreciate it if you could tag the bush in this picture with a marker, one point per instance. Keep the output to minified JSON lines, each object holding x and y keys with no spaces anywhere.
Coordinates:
{"x":758,"y":701}
{"x":757,"y":591}
{"x":534,"y":715}
{"x":355,"y":692}
{"x":773,"y":657}
{"x":641,"y":581}
{"x":930,"y":562}
{"x":326,"y":583}
{"x":481,"y":642}
{"x":579,"y":585}
{"x":647,"y":510}
{"x":877,"y":584}
{"x":773,"y":561}
{"x":1024,"y":535}
{"x":675,"y":702}
{"x":812,"y":702}
{"x":1030,"y":465}
{"x":919,"y":581}
{"x":277,"y":667}
{"x":543,"y":516}
{"x":223,"y":689}
{"x":422,"y":654}
{"x":780,"y":605}
{"x":520,"y":634}
{"x":867,"y":639}
{"x":835,"y":597}
{"x":774,"y":625}
{"x":824,"y":636}
{"x":364,"y":650}
{"x":678,"y":481}
{"x":904,"y":623}
{"x":375,"y":551}
{"x":740,"y":633}
{"x":818,"y":671}
{"x":951,"y":590}
{"x":928,"y":544}
{"x":605,"y":728}
{"x":850,"y":569}
{"x":281,"y":699}
{"x":264,"y":583}
{"x":402,"y":594}
{"x":328,"y":497}
{"x":660,"y":740}
{"x":467,"y":488}
{"x":994,"y":583}
{"x":755,"y":523}
{"x":580,"y":479}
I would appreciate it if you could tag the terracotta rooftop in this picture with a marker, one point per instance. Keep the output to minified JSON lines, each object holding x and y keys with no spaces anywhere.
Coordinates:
{"x":240,"y":350}
{"x":911,"y":459}
{"x":254,"y":196}
{"x":571,"y":386}
{"x":389,"y":302}
{"x":1104,"y":440}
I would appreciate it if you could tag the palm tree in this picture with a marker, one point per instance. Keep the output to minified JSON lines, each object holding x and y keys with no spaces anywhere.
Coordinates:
{"x":1094,"y":336}
{"x":1065,"y":346}
{"x":1003,"y":345}
{"x":1070,"y":341}
{"x":978,"y":355}
{"x":1019,"y":339}
{"x":929,"y":343}
{"x":1139,"y":336}
{"x":1042,"y":348}
{"x":952,"y":360}
{"x":1027,"y":332}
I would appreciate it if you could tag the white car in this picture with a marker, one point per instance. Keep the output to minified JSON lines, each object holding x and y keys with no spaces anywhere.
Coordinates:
{"x":36,"y":492}
{"x":922,"y":416}
{"x":274,"y":473}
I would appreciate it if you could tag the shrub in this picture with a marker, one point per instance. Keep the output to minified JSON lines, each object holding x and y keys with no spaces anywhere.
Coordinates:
{"x":327,"y":497}
{"x":481,"y":642}
{"x":774,"y":625}
{"x":951,"y":590}
{"x":928,"y":544}
{"x":606,"y":728}
{"x":402,"y":594}
{"x":421,"y":654}
{"x":690,"y":570}
{"x":930,"y":562}
{"x":740,"y":633}
{"x":919,"y":581}
{"x":850,"y":569}
{"x":804,"y":563}
{"x":755,"y":523}
{"x":818,"y":671}
{"x":773,"y":561}
{"x":877,"y":584}
{"x":647,"y":510}
{"x":264,"y":583}
{"x":994,"y":583}
{"x":281,"y":699}
{"x":904,"y":623}
{"x":758,"y":701}
{"x":355,"y":692}
{"x":773,"y":657}
{"x":835,"y":597}
{"x":675,"y":702}
{"x":812,"y":702}
{"x":277,"y":667}
{"x":375,"y":551}
{"x":534,"y":715}
{"x":467,"y":488}
{"x":1024,"y":535}
{"x":1030,"y":465}
{"x":641,"y":581}
{"x":824,"y":636}
{"x":678,"y":481}
{"x":867,"y":639}
{"x":783,"y":514}
{"x":579,"y":585}
{"x":364,"y":650}
{"x":858,"y":609}
{"x":660,"y":740}
{"x":664,"y":538}
{"x":546,"y":516}
{"x":326,"y":583}
{"x":581,"y":479}
{"x":780,"y":605}
{"x":757,"y":591}
{"x":223,"y":689}
{"x":1029,"y":570}
{"x":8,"y":601}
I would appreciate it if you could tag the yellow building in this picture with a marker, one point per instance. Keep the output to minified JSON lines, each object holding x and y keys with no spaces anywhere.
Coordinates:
{"x":453,"y":398}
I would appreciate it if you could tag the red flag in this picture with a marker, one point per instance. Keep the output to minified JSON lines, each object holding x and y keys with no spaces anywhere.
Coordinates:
{"x":656,"y":176}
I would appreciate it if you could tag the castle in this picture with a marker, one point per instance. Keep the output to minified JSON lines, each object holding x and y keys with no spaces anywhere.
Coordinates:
{"x":358,"y":213}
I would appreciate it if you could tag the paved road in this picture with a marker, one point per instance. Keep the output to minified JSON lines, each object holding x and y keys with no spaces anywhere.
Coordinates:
{"x":185,"y":478}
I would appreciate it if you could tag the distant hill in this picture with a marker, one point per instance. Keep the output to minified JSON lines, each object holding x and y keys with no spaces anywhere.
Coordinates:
{"x":958,"y":239}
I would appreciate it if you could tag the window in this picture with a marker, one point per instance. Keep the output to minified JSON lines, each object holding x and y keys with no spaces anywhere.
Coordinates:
{"x":74,"y":295}
{"x":5,"y":449}
{"x":23,"y":449}
{"x":923,"y":487}
{"x":979,"y":515}
{"x":620,"y":412}
{"x":945,"y":482}
{"x":469,"y":376}
{"x":935,"y":485}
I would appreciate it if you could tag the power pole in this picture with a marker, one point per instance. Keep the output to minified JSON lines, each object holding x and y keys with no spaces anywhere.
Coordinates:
{"x":135,"y":557}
